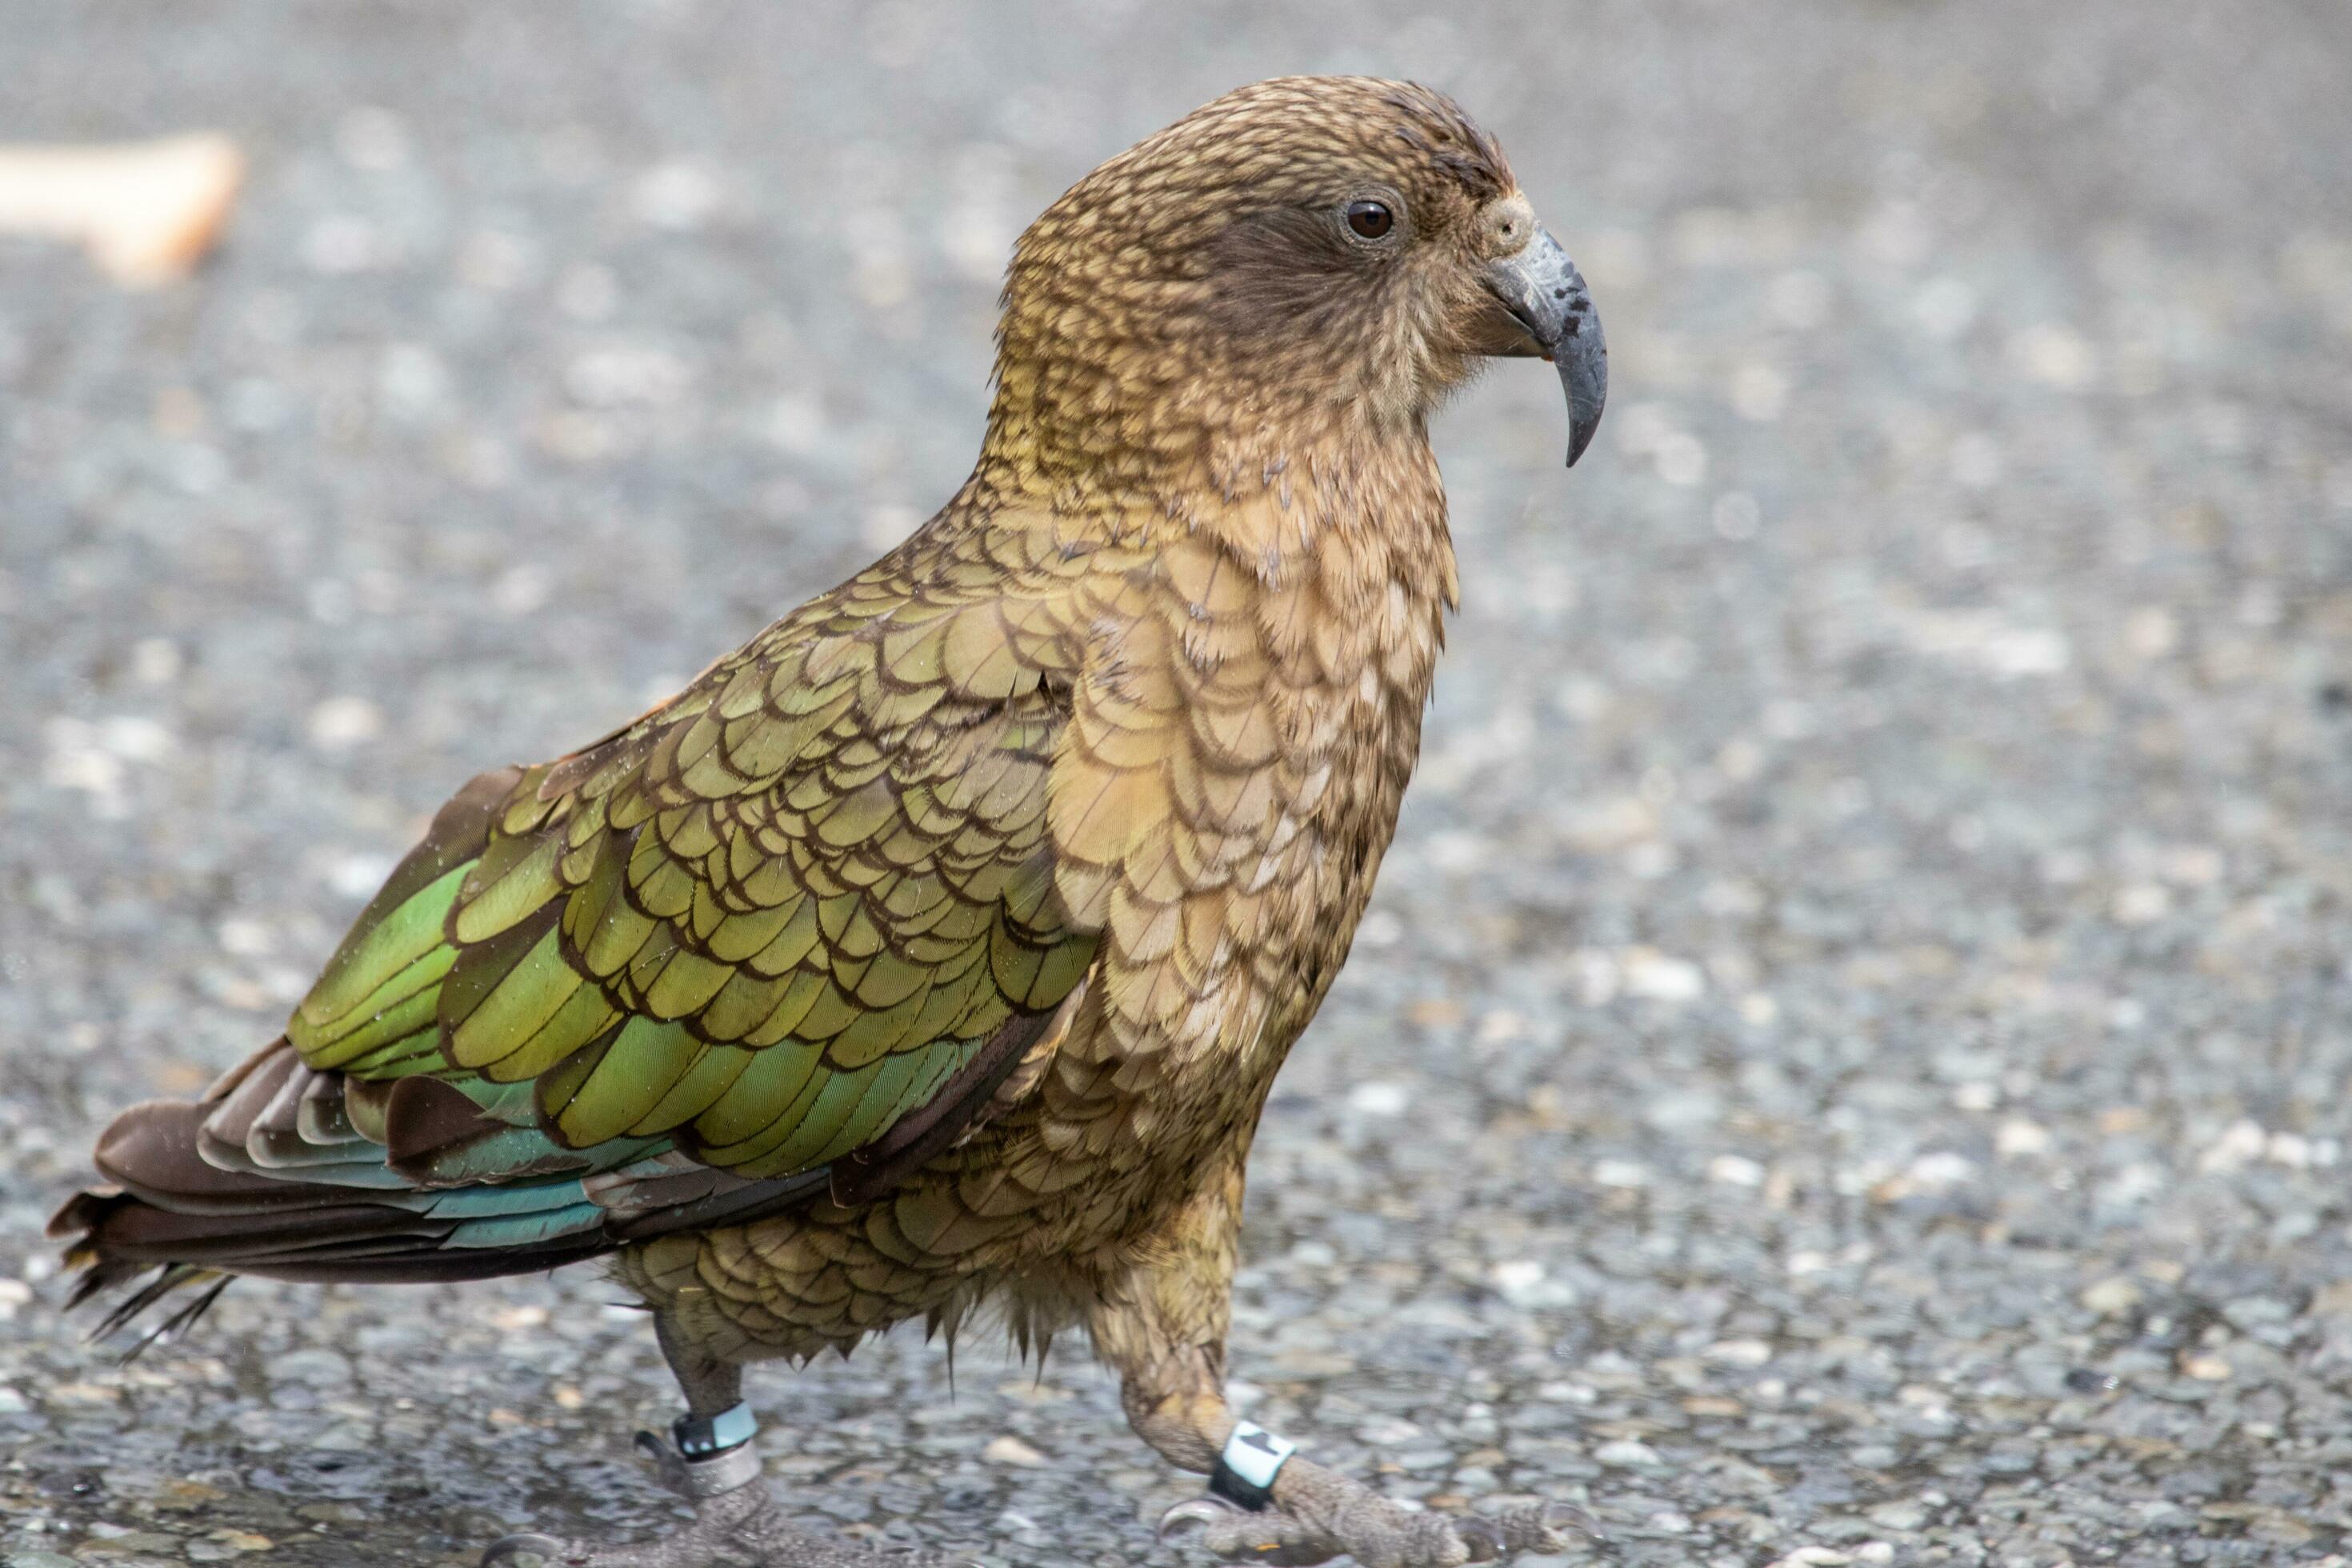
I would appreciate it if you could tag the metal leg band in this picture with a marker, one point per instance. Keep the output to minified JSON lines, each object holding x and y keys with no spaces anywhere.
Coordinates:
{"x":715,"y":1453}
{"x":727,"y":1470}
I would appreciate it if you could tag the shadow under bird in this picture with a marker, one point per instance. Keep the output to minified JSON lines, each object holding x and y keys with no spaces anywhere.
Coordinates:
{"x":937,"y":948}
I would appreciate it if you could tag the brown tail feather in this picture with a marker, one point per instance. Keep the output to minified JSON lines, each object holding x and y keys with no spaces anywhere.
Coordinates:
{"x":292,"y":1172}
{"x":187,"y":1208}
{"x":156,"y":1151}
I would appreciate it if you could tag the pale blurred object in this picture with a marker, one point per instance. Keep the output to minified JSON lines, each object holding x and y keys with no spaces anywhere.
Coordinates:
{"x":146,"y":211}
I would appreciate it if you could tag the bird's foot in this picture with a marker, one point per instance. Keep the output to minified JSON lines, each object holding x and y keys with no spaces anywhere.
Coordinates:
{"x":1320,"y":1514}
{"x":739,"y":1525}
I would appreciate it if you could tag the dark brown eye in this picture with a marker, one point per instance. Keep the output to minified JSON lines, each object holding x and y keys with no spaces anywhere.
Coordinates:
{"x":1369,"y":219}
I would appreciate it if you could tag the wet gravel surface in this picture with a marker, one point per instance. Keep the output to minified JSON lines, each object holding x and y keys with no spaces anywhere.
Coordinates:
{"x":1846,"y":1062}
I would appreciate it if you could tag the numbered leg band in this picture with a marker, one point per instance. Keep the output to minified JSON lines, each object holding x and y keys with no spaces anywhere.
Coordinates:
{"x":1245,"y":1470}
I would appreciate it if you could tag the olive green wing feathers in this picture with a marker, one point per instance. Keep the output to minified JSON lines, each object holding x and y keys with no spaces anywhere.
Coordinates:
{"x":786,"y":934}
{"x":760,"y":928}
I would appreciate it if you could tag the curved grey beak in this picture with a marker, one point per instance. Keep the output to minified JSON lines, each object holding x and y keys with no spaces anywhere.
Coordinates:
{"x":1546,"y":294}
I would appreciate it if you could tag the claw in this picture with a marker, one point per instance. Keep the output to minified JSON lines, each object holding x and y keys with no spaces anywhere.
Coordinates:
{"x":665,"y":1460}
{"x":1202,"y":1511}
{"x":1555,"y":1517}
{"x":527,"y":1543}
{"x":1541,"y":1528}
{"x":1483,"y":1538}
{"x":1537,"y":1529}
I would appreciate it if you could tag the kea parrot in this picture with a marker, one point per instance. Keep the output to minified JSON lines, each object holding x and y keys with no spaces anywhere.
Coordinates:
{"x":937,"y":948}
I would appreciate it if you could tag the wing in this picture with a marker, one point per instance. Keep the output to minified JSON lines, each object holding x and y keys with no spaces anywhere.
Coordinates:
{"x":786,"y":934}
{"x":761,"y":928}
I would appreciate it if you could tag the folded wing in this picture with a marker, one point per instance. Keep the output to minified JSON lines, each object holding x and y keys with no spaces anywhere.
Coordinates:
{"x":791,"y":929}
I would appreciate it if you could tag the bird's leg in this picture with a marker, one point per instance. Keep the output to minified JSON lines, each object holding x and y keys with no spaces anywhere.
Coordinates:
{"x":709,"y":1457}
{"x":1163,"y":1326}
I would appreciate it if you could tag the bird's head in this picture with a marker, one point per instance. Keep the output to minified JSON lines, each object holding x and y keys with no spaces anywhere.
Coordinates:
{"x":1308,"y":252}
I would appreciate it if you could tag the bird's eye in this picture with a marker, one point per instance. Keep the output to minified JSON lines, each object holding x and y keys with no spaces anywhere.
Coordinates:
{"x":1370,"y":220}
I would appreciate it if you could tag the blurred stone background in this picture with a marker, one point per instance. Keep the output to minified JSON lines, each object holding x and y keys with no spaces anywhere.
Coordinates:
{"x":1847,"y":1061}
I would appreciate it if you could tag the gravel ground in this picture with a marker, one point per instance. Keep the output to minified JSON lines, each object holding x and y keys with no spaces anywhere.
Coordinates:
{"x":1845,"y":1063}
